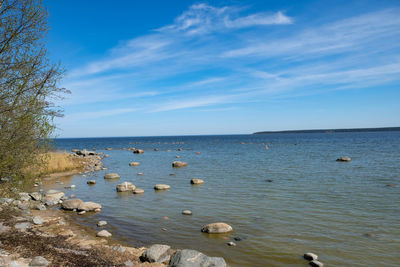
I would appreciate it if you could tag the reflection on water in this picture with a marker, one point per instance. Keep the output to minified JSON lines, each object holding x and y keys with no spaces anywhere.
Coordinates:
{"x":282,"y":202}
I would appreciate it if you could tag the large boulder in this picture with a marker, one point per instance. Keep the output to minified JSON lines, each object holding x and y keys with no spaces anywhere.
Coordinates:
{"x":125,"y":186}
{"x":216,"y":228}
{"x":178,"y":164}
{"x":89,"y":206}
{"x":162,"y":187}
{"x":71,"y":204}
{"x":156,"y":253}
{"x":111,"y":176}
{"x":193,"y":258}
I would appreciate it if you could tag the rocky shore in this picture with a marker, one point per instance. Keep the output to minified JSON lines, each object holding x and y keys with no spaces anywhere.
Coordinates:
{"x":35,"y":231}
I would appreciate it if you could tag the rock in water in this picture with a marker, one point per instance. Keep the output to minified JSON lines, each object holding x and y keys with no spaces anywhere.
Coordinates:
{"x":138,"y":191}
{"x":135,"y":163}
{"x":310,"y":256}
{"x":125,"y":186}
{"x":344,"y":159}
{"x":231,"y":244}
{"x":196,"y":181}
{"x":161,"y":187}
{"x":111,"y":176}
{"x":104,"y":233}
{"x":71,"y":204}
{"x":187,"y":212}
{"x":138,"y":151}
{"x":217,"y":228}
{"x":156,"y":253}
{"x":101,"y":223}
{"x":91,"y":182}
{"x":39,"y":261}
{"x":193,"y":258}
{"x":178,"y":164}
{"x":316,"y":263}
{"x":89,"y":206}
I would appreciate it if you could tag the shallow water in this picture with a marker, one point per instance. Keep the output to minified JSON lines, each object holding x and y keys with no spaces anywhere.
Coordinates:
{"x":344,"y":212}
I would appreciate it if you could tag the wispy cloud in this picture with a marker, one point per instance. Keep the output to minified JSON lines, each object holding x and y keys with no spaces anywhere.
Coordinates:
{"x":81,"y":116}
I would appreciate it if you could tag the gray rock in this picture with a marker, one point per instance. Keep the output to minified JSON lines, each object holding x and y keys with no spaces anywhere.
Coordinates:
{"x":40,"y":207}
{"x":135,"y":163}
{"x":128,"y":263}
{"x":118,"y":248}
{"x":138,"y":151}
{"x":38,"y":220}
{"x":6,"y":201}
{"x":101,"y":223}
{"x":4,"y":228}
{"x":216,"y":228}
{"x":316,"y":263}
{"x":193,"y":258}
{"x":22,"y":225}
{"x":232,"y":244}
{"x":196,"y":181}
{"x":162,"y":187}
{"x":138,"y":191}
{"x":36,"y":196}
{"x":72,"y":186}
{"x":125,"y":186}
{"x":24,"y":196}
{"x":91,"y":182}
{"x":187,"y":212}
{"x":39,"y":261}
{"x":55,"y":193}
{"x":156,"y":253}
{"x":71,"y":204}
{"x":310,"y":256}
{"x":24,"y":205}
{"x":89,"y":206}
{"x":104,"y":233}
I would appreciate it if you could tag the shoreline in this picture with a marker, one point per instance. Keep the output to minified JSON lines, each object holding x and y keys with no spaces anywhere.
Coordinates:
{"x":62,"y":241}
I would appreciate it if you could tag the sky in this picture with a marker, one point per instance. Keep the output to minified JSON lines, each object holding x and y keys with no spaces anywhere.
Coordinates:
{"x":154,"y":68}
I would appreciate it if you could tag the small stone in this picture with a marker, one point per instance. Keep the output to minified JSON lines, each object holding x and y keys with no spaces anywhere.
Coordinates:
{"x":165,"y":218}
{"x":269,"y":181}
{"x":187,"y":212}
{"x":198,"y":153}
{"x":196,"y":181}
{"x":70,"y":186}
{"x":40,"y":207}
{"x":128,"y":263}
{"x":172,"y":174}
{"x":138,"y":151}
{"x":179,"y":149}
{"x":232,"y":244}
{"x":140,"y":173}
{"x":36,"y":196}
{"x":316,"y":263}
{"x":97,"y":210}
{"x":39,"y":261}
{"x":164,"y":229}
{"x":237,"y":239}
{"x":161,"y":187}
{"x":103,"y":233}
{"x":101,"y":223}
{"x":177,"y":157}
{"x":138,"y":191}
{"x":135,"y":163}
{"x":111,"y":176}
{"x":82,"y":212}
{"x":125,"y":186}
{"x":156,"y":253}
{"x":310,"y":256}
{"x":179,"y":164}
{"x":344,"y":159}
{"x":91,"y":182}
{"x":155,"y":149}
{"x":38,"y":220}
{"x":390,"y":185}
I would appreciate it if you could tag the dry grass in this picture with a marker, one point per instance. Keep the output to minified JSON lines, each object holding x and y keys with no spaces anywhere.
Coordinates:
{"x":54,"y":162}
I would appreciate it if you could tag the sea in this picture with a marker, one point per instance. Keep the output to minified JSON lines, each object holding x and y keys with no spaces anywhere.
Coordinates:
{"x":284,"y":195}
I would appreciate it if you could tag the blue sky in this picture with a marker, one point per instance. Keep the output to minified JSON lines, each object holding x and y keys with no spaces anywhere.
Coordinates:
{"x":146,"y":68}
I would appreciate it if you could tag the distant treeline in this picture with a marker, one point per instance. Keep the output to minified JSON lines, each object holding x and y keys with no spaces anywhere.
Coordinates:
{"x":384,"y":129}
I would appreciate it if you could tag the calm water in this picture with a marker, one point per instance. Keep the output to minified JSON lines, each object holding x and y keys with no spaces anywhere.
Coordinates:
{"x":344,"y":212}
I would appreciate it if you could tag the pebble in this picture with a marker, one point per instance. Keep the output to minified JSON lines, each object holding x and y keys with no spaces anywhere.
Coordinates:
{"x":237,"y":239}
{"x":316,"y":263}
{"x":187,"y":212}
{"x":38,"y":220}
{"x":196,"y":181}
{"x":232,"y":244}
{"x":164,"y":229}
{"x":101,"y":223}
{"x":140,"y":173}
{"x":161,"y":187}
{"x":165,"y":218}
{"x":82,"y":212}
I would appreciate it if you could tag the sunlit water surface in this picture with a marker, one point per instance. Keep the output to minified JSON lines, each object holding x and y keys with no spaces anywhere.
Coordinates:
{"x":344,"y":212}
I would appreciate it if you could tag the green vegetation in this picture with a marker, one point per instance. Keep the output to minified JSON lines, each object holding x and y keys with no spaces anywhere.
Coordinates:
{"x":28,"y":85}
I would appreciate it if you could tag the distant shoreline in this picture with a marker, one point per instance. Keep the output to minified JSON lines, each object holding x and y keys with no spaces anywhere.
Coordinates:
{"x":382,"y":129}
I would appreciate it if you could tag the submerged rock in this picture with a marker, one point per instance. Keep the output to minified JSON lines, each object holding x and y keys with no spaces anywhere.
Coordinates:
{"x":178,"y":164}
{"x":101,"y":223}
{"x":187,"y":212}
{"x":111,"y":176}
{"x":138,"y":191}
{"x":316,"y":263}
{"x":125,"y":186}
{"x":217,"y":228}
{"x":162,"y":187}
{"x":156,"y":253}
{"x":134,"y":163}
{"x":344,"y":159}
{"x":231,"y":244}
{"x":193,"y":258}
{"x":138,"y":151}
{"x":91,"y":182}
{"x":89,"y":206}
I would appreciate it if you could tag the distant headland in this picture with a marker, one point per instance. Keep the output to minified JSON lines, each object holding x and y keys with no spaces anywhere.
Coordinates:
{"x":383,"y":129}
